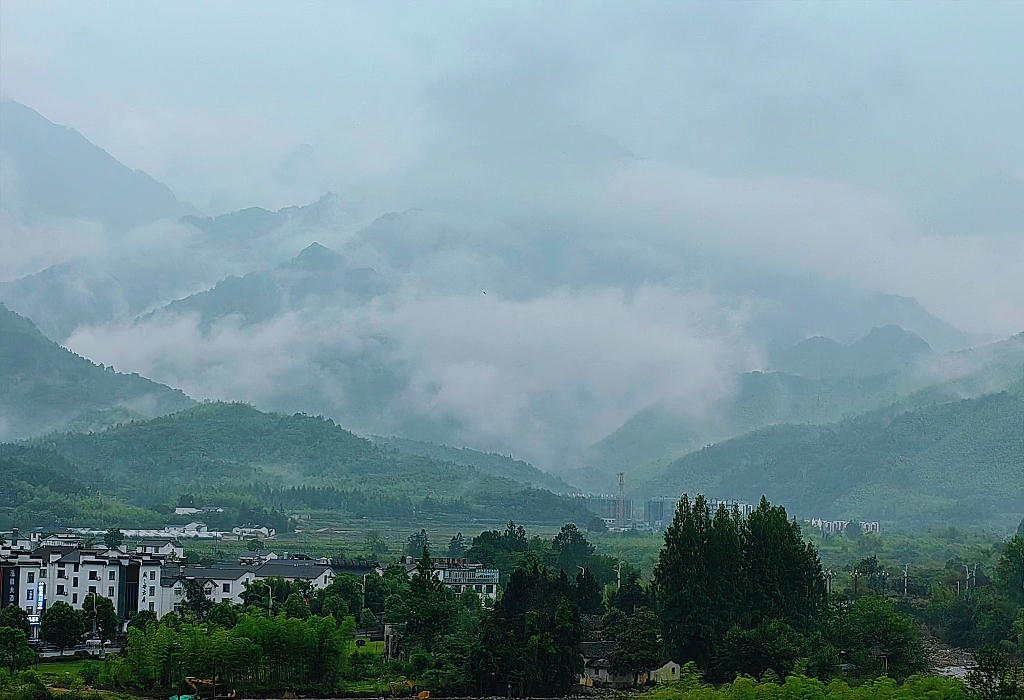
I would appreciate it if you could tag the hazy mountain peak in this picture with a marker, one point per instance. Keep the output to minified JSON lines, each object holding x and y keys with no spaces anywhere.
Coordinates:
{"x":316,"y":257}
{"x":881,"y":351}
{"x":57,"y":172}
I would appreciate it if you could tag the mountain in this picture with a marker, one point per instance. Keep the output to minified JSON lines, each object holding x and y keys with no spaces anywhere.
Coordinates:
{"x":826,"y":382}
{"x":46,"y":387}
{"x":54,"y":171}
{"x":316,"y":273}
{"x":882,"y":351}
{"x":792,"y":310}
{"x":223,"y":451}
{"x":487,"y":462}
{"x":252,"y":223}
{"x":946,"y":463}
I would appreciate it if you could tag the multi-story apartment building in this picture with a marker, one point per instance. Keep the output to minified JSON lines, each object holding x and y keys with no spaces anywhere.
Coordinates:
{"x":34,"y":579}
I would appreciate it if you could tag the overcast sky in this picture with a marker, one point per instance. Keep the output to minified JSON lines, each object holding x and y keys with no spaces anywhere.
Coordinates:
{"x":240,"y":104}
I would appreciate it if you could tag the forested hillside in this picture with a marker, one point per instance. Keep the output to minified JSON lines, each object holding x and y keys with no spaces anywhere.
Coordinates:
{"x":226,"y":450}
{"x":45,"y":387}
{"x":959,"y":462}
{"x":486,"y":462}
{"x":825,"y":382}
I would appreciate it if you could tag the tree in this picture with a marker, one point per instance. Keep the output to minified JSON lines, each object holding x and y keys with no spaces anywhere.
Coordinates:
{"x":873,"y":574}
{"x":530,"y":639}
{"x":688,"y":586}
{"x":224,"y":614}
{"x":196,"y":603}
{"x":1009,"y":578}
{"x":639,"y":647}
{"x":14,"y":616}
{"x":587,"y":594}
{"x":98,"y":613}
{"x":571,"y":549}
{"x":14,"y":651}
{"x":62,"y":625}
{"x":334,"y":605}
{"x":596,"y":524}
{"x":296,"y":606}
{"x":771,"y":646}
{"x":877,"y":638}
{"x":428,"y":608}
{"x":630,"y":595}
{"x":417,"y":544}
{"x":113,"y":538}
{"x":457,"y":546}
{"x":142,"y":618}
{"x":991,"y":679}
{"x":375,"y":545}
{"x":367,"y":620}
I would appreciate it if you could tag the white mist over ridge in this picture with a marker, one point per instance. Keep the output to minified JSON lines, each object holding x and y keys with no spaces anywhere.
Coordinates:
{"x":547,"y":217}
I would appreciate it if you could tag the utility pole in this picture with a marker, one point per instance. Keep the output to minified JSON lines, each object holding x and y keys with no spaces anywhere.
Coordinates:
{"x":967,"y":582}
{"x":906,"y":576}
{"x":621,"y":515}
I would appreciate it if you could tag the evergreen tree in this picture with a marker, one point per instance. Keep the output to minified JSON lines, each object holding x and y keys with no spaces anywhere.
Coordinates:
{"x":98,"y":614}
{"x":113,"y":538}
{"x":683,"y":585}
{"x":457,"y":546}
{"x":417,"y":544}
{"x":782,"y":574}
{"x":571,"y":549}
{"x":1009,"y":578}
{"x":587,"y":594}
{"x":639,"y":647}
{"x":196,"y":603}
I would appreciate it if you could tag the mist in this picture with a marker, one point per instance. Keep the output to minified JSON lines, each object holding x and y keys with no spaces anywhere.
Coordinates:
{"x":578,"y":210}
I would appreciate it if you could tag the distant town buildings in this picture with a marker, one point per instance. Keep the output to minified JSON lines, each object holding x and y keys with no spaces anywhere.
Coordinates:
{"x":45,"y":567}
{"x":838,"y":527}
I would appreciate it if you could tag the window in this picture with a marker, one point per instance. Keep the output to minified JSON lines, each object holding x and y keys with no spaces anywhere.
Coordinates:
{"x":31,"y":576}
{"x":177,"y":590}
{"x":226,"y":588}
{"x":29,"y":593}
{"x":152,"y":591}
{"x":151,"y":607}
{"x":62,"y":573}
{"x":92,"y":589}
{"x":61,"y":590}
{"x":94,"y":575}
{"x":74,"y":582}
{"x":110,"y":591}
{"x":111,"y":575}
{"x":76,"y":567}
{"x":42,"y":573}
{"x":28,"y":609}
{"x":74,"y":598}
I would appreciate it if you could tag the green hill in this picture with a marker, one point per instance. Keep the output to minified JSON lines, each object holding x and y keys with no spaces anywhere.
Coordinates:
{"x":655,"y":436}
{"x":487,"y":462}
{"x":39,"y":487}
{"x":45,"y":387}
{"x":959,"y":463}
{"x":233,"y":450}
